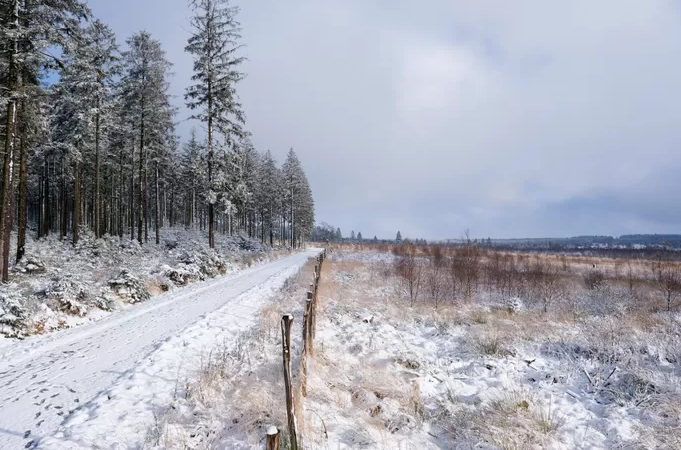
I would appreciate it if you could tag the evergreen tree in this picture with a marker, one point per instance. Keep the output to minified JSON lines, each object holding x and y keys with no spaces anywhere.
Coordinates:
{"x":398,"y":238}
{"x":359,"y":236}
{"x":213,"y":44}
{"x":352,"y":236}
{"x":268,"y":195}
{"x":145,"y":89}
{"x":299,"y":202}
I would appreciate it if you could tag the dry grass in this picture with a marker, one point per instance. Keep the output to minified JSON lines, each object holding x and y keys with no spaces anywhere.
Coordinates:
{"x":519,"y":419}
{"x":238,"y":386}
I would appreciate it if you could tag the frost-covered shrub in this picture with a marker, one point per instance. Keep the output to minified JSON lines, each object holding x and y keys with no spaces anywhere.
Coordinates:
{"x":593,"y":279}
{"x":182,"y":276}
{"x":629,"y":389}
{"x":129,"y":287}
{"x":67,"y":295}
{"x":12,"y":313}
{"x":29,"y":265}
{"x":514,"y":304}
{"x":104,"y":301}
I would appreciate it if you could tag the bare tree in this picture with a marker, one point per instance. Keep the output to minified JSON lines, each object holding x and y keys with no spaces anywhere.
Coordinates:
{"x":467,"y":260}
{"x":666,"y":276}
{"x":550,"y":283}
{"x":435,"y":279}
{"x":409,"y":269}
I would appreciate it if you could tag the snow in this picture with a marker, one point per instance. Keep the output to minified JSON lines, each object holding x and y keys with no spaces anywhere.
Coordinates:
{"x":102,"y":383}
{"x":471,"y":376}
{"x":201,"y":368}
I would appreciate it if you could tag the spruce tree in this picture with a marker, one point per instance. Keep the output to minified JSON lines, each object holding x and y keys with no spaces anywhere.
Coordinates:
{"x":147,"y":101}
{"x":214,"y":44}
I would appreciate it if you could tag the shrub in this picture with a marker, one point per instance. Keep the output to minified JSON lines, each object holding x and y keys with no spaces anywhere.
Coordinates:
{"x":593,"y":280}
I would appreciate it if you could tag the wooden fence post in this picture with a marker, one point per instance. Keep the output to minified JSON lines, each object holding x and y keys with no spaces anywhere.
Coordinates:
{"x":307,"y":342}
{"x":272,"y":439}
{"x":286,"y":322}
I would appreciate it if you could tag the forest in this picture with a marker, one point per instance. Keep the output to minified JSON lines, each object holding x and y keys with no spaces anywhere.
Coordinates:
{"x":89,"y":139}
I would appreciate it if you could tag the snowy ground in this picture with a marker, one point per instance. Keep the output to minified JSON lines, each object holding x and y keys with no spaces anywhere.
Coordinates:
{"x":471,"y":375}
{"x":103,"y":385}
{"x":479,"y":376}
{"x":58,"y":286}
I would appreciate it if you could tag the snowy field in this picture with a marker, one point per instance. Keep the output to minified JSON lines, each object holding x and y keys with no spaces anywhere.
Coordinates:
{"x":599,"y":370}
{"x":104,"y":384}
{"x":482,"y":373}
{"x":58,"y":286}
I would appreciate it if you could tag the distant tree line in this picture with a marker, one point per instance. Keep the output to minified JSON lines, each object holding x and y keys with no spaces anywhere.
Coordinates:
{"x":98,"y":149}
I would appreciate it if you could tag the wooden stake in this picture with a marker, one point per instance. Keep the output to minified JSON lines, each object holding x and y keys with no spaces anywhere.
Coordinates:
{"x":307,"y":347}
{"x":272,"y":439}
{"x":286,"y":322}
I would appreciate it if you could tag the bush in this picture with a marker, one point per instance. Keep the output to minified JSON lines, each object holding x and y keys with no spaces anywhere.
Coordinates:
{"x":594,"y":280}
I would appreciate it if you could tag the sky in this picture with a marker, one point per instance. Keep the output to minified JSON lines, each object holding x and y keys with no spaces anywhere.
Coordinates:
{"x":530,"y":118}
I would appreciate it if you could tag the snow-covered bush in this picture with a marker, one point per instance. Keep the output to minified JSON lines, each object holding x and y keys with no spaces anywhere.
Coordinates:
{"x":129,"y":287}
{"x":29,"y":265}
{"x":183,"y":275}
{"x":66,"y":294}
{"x":514,"y":304}
{"x":12,"y":313}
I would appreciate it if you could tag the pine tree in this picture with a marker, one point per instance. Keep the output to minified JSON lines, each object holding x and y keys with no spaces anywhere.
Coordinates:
{"x":103,"y":65}
{"x":352,"y":236}
{"x":398,"y":238}
{"x":268,"y":195}
{"x":299,"y":201}
{"x":359,"y":236}
{"x":145,"y":89}
{"x":213,"y":44}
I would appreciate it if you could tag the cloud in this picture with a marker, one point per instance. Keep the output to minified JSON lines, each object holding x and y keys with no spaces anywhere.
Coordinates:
{"x":509,"y":118}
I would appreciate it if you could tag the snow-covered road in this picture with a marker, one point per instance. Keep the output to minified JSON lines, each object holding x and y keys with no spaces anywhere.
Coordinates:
{"x":52,"y":387}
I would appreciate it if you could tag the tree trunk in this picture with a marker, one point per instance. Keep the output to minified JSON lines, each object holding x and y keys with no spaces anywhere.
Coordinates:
{"x":120,"y":195}
{"x":158,"y":210}
{"x":62,"y":211}
{"x":23,"y":203}
{"x":7,"y":187}
{"x":76,"y":203}
{"x":211,"y":212}
{"x":97,"y":199}
{"x":47,"y":216}
{"x":145,"y":204}
{"x":140,"y":192}
{"x":131,"y":201}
